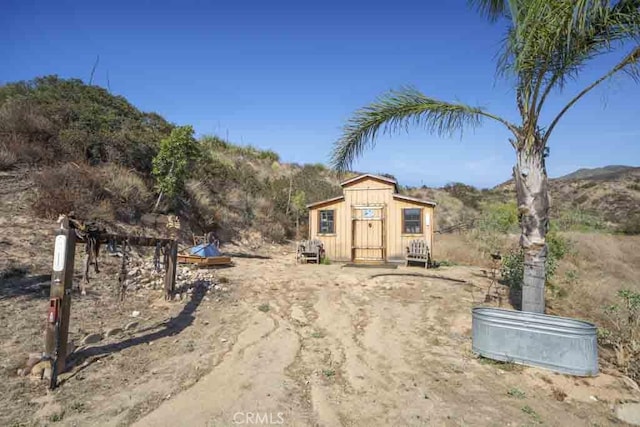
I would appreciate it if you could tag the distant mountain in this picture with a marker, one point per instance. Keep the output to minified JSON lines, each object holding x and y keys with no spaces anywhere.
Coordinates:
{"x":606,"y":172}
{"x":610,"y":194}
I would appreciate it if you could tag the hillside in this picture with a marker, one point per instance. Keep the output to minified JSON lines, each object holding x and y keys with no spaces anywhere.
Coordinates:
{"x":91,"y":152}
{"x":601,"y":199}
{"x":606,"y":172}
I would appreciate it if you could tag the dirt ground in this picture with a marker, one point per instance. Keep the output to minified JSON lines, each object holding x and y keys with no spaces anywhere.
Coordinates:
{"x":299,"y":344}
{"x":271,"y":342}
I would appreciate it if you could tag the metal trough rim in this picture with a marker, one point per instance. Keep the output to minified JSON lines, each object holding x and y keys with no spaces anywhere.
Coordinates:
{"x":533,"y":319}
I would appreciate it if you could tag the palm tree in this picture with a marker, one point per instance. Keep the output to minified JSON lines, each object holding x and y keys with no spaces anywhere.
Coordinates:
{"x":548,"y":42}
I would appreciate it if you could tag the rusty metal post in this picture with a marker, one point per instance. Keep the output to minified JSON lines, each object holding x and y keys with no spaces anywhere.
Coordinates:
{"x":57,"y":330}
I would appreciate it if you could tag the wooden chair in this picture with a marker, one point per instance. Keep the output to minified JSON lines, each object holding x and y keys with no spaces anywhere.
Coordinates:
{"x":418,"y":251}
{"x":310,"y":250}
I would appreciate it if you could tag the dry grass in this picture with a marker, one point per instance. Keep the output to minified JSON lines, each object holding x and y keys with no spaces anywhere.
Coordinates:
{"x":595,"y":268}
{"x":471,"y":248}
{"x":125,"y":184}
{"x":103,"y":193}
{"x":451,"y":211}
{"x":63,"y":189}
{"x":7,"y":158}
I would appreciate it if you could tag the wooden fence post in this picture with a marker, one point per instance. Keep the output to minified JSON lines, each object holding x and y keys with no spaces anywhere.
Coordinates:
{"x":172,"y":269}
{"x":57,"y":329}
{"x":173,"y":224}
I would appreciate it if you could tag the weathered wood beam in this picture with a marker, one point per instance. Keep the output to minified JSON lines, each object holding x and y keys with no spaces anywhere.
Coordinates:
{"x":132,"y":240}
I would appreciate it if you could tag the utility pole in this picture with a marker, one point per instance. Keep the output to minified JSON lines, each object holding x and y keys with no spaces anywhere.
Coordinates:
{"x":57,"y":330}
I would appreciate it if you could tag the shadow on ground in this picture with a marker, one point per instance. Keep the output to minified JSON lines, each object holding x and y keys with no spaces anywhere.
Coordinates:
{"x":170,"y":327}
{"x":17,"y":283}
{"x":250,"y":256}
{"x":429,"y":276}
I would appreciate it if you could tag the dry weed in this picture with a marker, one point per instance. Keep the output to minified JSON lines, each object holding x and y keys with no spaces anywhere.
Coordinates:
{"x":7,"y":158}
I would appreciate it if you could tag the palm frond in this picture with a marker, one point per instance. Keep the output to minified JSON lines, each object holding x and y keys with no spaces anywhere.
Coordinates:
{"x":398,"y":110}
{"x":630,"y":64}
{"x":552,"y":41}
{"x":495,"y":9}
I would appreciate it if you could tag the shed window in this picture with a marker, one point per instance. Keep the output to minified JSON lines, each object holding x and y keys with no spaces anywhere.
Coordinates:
{"x":327,"y":223}
{"x":412,"y":221}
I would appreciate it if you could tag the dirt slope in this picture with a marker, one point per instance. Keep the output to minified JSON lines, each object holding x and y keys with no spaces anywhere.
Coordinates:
{"x":316,"y":345}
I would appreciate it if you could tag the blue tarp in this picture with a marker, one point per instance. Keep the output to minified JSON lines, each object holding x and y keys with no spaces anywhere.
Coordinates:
{"x":205,"y":250}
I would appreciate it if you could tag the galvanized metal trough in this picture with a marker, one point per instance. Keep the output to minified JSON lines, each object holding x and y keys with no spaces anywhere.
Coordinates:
{"x":557,"y":343}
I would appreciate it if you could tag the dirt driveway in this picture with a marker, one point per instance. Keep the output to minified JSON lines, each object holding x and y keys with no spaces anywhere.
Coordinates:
{"x":289,"y":344}
{"x":332,"y":345}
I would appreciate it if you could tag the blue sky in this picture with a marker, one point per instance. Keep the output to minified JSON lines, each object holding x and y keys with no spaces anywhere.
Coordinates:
{"x":286,"y":76}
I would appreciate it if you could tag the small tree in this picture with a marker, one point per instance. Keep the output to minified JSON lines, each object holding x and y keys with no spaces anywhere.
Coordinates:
{"x":171,"y":164}
{"x":299,"y":206}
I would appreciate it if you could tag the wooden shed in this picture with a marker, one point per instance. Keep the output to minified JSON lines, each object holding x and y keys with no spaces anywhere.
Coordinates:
{"x":371,"y":221}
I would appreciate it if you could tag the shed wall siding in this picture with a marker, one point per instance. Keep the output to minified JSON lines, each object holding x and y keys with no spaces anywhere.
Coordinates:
{"x":334,"y":244}
{"x":398,"y":241}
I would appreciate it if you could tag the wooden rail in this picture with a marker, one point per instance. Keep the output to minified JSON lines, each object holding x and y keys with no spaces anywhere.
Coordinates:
{"x":463,"y":226}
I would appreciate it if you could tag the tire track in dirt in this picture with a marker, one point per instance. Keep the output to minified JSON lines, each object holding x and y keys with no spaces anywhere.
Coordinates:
{"x":250,"y":379}
{"x":362,"y":395}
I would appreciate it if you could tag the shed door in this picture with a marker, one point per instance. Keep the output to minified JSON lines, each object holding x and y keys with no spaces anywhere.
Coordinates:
{"x":368,"y":234}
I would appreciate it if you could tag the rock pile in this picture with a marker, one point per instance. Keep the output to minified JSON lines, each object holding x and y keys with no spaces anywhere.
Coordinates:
{"x":144,"y":276}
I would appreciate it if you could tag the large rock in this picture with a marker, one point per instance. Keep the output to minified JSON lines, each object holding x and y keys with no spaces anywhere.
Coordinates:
{"x":38,"y":370}
{"x":92,"y":339}
{"x":112,"y":332}
{"x":131,"y":325}
{"x":629,"y":413}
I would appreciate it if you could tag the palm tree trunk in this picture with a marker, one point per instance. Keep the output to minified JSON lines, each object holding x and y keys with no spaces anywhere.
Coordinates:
{"x":530,"y":177}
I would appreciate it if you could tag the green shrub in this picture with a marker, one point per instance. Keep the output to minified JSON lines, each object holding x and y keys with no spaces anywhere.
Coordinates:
{"x":65,"y":119}
{"x":467,"y":194}
{"x":499,"y":217}
{"x":173,"y":163}
{"x":556,"y":250}
{"x":623,"y":334}
{"x":579,"y":220}
{"x":512,"y":269}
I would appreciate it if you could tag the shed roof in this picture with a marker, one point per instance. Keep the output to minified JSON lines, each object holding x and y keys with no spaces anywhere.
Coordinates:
{"x":370,"y":176}
{"x":414,"y":200}
{"x":325,"y":202}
